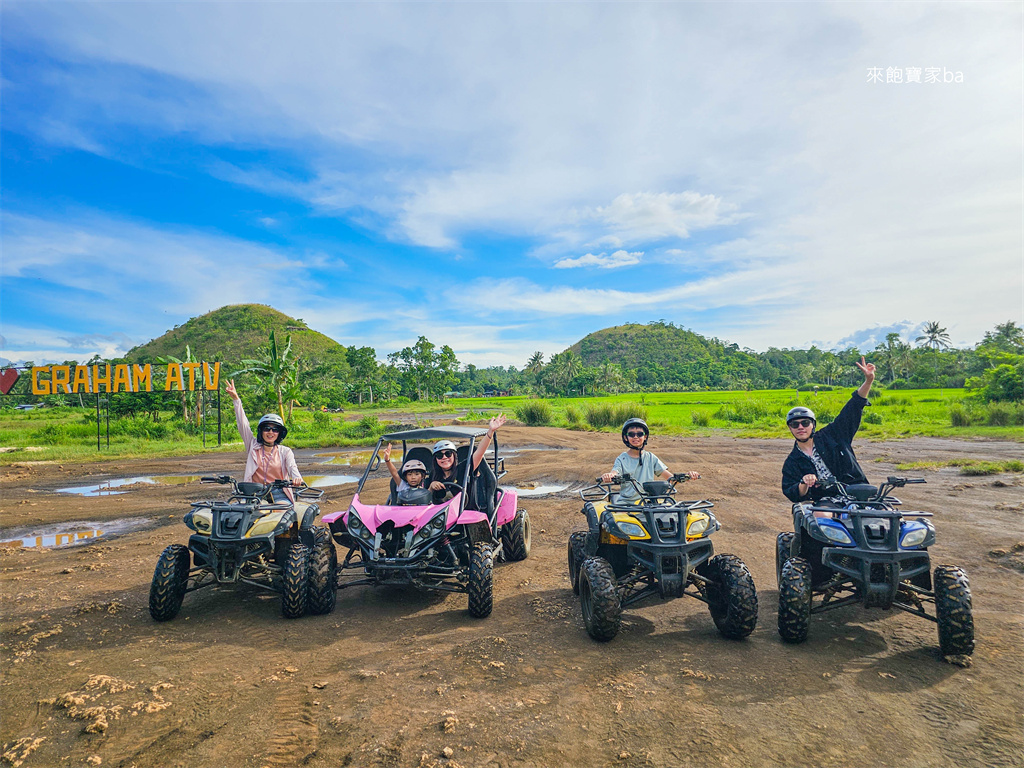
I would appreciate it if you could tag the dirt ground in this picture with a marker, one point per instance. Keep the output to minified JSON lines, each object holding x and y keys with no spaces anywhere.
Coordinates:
{"x":396,"y":678}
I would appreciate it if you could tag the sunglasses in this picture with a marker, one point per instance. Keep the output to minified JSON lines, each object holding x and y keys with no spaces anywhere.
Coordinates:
{"x":446,"y":454}
{"x":797,"y":423}
{"x":635,"y":434}
{"x":272,"y":429}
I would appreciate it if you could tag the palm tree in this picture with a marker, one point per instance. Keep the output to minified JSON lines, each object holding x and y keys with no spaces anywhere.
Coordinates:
{"x":934,"y":336}
{"x":572,"y":366}
{"x":1007,"y":335}
{"x":829,"y":369}
{"x":895,"y":354}
{"x":278,"y":371}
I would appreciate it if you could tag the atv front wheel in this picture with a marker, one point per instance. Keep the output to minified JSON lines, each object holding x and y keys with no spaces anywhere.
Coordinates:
{"x":576,"y":555}
{"x":323,"y":568}
{"x":795,"y":600}
{"x":953,"y":611}
{"x":599,"y":599}
{"x":295,"y":582}
{"x":732,"y":598}
{"x":515,"y":537}
{"x":170,"y":579}
{"x":783,"y":551}
{"x":481,"y":580}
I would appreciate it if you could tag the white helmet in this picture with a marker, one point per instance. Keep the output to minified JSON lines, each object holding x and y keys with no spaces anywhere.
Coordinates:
{"x":443,"y":445}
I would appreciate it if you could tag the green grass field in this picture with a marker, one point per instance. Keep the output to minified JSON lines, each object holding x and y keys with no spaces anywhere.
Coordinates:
{"x":69,"y":434}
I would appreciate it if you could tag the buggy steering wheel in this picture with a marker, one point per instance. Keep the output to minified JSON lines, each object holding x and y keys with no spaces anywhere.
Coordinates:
{"x":449,"y":488}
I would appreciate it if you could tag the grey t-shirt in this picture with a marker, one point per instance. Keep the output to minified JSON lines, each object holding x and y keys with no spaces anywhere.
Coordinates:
{"x":651,"y":468}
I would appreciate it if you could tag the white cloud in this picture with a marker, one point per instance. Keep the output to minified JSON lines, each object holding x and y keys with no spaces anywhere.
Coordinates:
{"x":601,"y":260}
{"x":646,"y":216}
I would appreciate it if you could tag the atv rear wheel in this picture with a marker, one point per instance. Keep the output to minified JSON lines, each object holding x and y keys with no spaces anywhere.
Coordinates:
{"x":295,"y":582}
{"x":481,"y":580}
{"x":576,"y":555}
{"x":323,"y":568}
{"x":170,"y":578}
{"x":732,"y":598}
{"x":953,"y":611}
{"x":783,"y":551}
{"x":515,"y":537}
{"x":599,"y":599}
{"x":795,"y":600}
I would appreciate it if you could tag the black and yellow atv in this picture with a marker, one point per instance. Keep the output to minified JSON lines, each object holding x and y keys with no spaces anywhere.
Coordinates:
{"x":659,"y":546}
{"x":252,"y":539}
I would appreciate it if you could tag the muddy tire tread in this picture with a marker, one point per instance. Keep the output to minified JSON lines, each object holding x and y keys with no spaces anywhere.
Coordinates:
{"x":481,"y":580}
{"x":170,"y":578}
{"x":599,"y":599}
{"x":732,"y":597}
{"x":576,"y":554}
{"x":795,"y":600}
{"x":516,"y":537}
{"x":783,"y":550}
{"x":323,"y":566}
{"x":953,"y":611}
{"x":295,"y":582}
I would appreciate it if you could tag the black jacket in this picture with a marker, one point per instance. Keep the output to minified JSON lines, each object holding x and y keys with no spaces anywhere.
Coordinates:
{"x":833,"y":443}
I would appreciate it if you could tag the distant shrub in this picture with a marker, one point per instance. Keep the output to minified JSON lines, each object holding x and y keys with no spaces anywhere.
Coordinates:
{"x":700,"y":418}
{"x":873,"y":417}
{"x":812,"y":387}
{"x":534,"y":413}
{"x":141,"y":427}
{"x":600,"y":415}
{"x":998,"y":414}
{"x":824,"y":415}
{"x":322,"y":422}
{"x":745,"y":411}
{"x":960,"y":415}
{"x":574,"y":416}
{"x":981,"y":468}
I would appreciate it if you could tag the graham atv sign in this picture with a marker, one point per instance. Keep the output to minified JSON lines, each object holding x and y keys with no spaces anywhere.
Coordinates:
{"x":104,"y":377}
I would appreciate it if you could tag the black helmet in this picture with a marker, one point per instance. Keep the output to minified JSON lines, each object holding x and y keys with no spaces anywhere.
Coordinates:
{"x":800,"y":413}
{"x":274,"y":420}
{"x":635,"y":422}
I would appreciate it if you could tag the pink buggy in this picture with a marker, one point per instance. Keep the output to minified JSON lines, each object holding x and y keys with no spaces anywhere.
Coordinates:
{"x":449,"y":545}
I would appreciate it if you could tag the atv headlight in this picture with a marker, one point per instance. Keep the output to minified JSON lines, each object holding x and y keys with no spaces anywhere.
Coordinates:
{"x":435,"y":527}
{"x":632,"y":530}
{"x":913,"y":537}
{"x":356,"y":526}
{"x":834,"y":532}
{"x":698,"y":526}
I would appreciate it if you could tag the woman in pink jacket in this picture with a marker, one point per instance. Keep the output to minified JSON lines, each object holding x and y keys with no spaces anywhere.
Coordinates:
{"x":266,"y":459}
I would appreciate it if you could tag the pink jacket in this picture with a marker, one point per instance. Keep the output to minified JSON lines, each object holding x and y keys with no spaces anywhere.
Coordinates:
{"x":253,"y":448}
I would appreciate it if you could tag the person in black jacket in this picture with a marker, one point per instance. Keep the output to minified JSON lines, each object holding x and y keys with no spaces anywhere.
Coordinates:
{"x":824,"y":456}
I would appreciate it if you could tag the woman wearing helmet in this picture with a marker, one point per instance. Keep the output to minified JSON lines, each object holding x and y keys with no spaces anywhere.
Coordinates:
{"x":266,"y":459}
{"x":641,"y":468}
{"x":445,"y":455}
{"x":825,"y":456}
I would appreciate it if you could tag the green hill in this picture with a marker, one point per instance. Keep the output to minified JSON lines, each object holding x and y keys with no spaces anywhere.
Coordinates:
{"x":236,"y":332}
{"x":664,"y":354}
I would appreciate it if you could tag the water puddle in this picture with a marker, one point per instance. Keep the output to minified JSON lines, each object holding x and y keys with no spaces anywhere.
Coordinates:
{"x":114,"y":487}
{"x":356,"y":458}
{"x":326,"y":481}
{"x":540,"y":490}
{"x":69,"y":534}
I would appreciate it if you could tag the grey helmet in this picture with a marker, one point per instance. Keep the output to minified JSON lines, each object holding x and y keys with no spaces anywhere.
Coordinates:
{"x":635,"y":422}
{"x":275,"y":420}
{"x":800,"y":412}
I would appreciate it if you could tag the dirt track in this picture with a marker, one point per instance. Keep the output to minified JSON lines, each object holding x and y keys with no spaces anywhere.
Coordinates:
{"x":404,"y":679}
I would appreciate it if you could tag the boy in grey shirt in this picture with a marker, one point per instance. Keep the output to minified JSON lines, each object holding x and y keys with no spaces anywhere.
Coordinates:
{"x":642,"y":466}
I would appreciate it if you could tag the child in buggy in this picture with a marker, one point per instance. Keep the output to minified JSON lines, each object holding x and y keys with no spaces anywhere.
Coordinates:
{"x":410,"y":490}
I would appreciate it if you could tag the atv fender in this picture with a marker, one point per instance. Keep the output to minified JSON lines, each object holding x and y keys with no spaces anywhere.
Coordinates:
{"x":594,"y":539}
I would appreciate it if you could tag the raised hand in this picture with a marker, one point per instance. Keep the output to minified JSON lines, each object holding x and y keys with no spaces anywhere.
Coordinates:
{"x":230,"y":389}
{"x":868,"y":369}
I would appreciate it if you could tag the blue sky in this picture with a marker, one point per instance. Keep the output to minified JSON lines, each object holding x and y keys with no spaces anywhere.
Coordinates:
{"x":506,"y":178}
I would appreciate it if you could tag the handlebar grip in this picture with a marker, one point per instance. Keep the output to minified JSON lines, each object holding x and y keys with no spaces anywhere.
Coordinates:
{"x":917,"y":480}
{"x":208,"y":479}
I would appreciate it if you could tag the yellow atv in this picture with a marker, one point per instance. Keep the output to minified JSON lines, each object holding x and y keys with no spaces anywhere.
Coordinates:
{"x":659,"y":546}
{"x":250,"y":538}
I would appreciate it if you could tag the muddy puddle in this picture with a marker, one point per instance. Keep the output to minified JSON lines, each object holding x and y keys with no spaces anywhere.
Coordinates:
{"x":123,"y":485}
{"x":540,"y":490}
{"x":326,"y":481}
{"x":354,"y":458}
{"x":70,"y":534}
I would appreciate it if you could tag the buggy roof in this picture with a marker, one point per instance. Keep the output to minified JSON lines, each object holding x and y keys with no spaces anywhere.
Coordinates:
{"x":435,"y":433}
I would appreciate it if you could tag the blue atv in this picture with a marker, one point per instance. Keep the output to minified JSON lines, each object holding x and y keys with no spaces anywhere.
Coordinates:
{"x":860,"y":548}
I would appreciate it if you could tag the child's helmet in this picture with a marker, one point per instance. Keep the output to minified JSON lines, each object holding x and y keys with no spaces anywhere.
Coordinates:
{"x":274,"y":420}
{"x":412,"y":464}
{"x":635,"y":422}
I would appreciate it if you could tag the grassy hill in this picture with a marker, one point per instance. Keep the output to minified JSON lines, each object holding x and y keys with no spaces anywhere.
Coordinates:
{"x":236,"y":332}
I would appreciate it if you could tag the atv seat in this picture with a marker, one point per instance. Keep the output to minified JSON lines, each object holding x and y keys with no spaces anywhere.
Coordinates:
{"x":862,"y":491}
{"x":418,"y":453}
